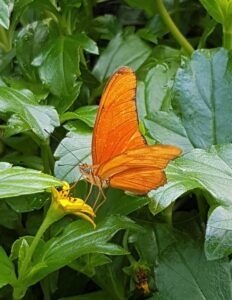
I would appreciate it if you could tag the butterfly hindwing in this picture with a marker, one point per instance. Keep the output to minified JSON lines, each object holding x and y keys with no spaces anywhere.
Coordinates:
{"x":138,"y":181}
{"x":138,"y":170}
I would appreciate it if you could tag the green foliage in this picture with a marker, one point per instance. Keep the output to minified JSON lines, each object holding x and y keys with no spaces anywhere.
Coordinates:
{"x":55,"y":58}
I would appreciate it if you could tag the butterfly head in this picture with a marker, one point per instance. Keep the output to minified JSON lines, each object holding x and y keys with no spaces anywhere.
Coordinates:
{"x":85,"y":170}
{"x":89,"y":174}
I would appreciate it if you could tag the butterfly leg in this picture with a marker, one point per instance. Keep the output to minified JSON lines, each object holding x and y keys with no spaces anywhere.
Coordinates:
{"x":89,"y":193}
{"x":102,"y":202}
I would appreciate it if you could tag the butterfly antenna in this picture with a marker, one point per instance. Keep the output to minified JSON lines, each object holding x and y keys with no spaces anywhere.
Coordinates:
{"x":75,"y":183}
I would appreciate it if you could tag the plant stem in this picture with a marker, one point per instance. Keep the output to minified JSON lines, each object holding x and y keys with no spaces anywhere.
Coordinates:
{"x":227,"y":37}
{"x":52,"y":216}
{"x":125,"y":245}
{"x":4,"y":40}
{"x":202,"y":206}
{"x":167,"y":213}
{"x":173,"y":28}
{"x":46,"y":154}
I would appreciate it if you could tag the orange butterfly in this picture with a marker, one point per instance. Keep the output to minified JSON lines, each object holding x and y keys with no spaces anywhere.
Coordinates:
{"x":121,"y":157}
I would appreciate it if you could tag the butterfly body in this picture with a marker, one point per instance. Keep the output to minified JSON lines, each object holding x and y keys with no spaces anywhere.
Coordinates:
{"x":89,"y":174}
{"x":121,"y":157}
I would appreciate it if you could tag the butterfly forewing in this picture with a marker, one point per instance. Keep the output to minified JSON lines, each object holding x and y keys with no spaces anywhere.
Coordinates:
{"x":116,"y":128}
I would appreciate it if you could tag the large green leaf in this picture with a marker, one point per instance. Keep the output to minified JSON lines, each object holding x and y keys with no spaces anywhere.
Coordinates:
{"x":15,"y":181}
{"x":203,"y":97}
{"x":28,"y":45}
{"x":158,"y":84}
{"x":167,"y":128}
{"x":218,"y":239}
{"x":40,"y":118}
{"x":120,"y":203}
{"x":184,"y":273}
{"x":77,"y":239}
{"x":72,"y":151}
{"x":28,"y":203}
{"x":7,"y":274}
{"x":209,"y":170}
{"x":119,"y":52}
{"x":5,"y":13}
{"x":59,"y":68}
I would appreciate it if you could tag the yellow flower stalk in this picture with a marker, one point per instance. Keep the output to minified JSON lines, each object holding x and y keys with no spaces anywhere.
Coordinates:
{"x":62,"y":204}
{"x":62,"y":200}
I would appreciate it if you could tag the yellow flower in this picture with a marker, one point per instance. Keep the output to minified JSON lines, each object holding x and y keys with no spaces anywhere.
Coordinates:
{"x":72,"y":205}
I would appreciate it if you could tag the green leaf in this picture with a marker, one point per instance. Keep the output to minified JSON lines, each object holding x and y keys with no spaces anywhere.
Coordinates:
{"x":15,"y":125}
{"x":155,"y":28}
{"x":87,"y":264}
{"x":4,"y":166}
{"x":148,"y":6}
{"x":58,"y":66}
{"x":5,"y":11}
{"x":16,"y":181}
{"x":210,"y":171}
{"x":218,"y":239}
{"x":6,"y":59}
{"x":120,"y":203}
{"x":22,"y":144}
{"x":72,"y":151}
{"x":99,"y":295}
{"x":216,"y":8}
{"x":39,"y":91}
{"x":28,"y":45}
{"x":8,"y":217}
{"x":145,"y":244}
{"x":158,"y":85}
{"x":70,"y":3}
{"x":203,"y":97}
{"x":86,"y":114}
{"x":184,"y":273}
{"x":120,"y":52}
{"x":7,"y":274}
{"x":166,"y":128}
{"x":209,"y":27}
{"x":77,"y":239}
{"x":40,"y":118}
{"x":28,"y":203}
{"x":20,"y":249}
{"x":107,"y":26}
{"x":111,"y":279}
{"x":86,"y":43}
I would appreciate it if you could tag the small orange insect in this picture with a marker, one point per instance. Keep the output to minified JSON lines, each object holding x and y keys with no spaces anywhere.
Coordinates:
{"x":121,"y":157}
